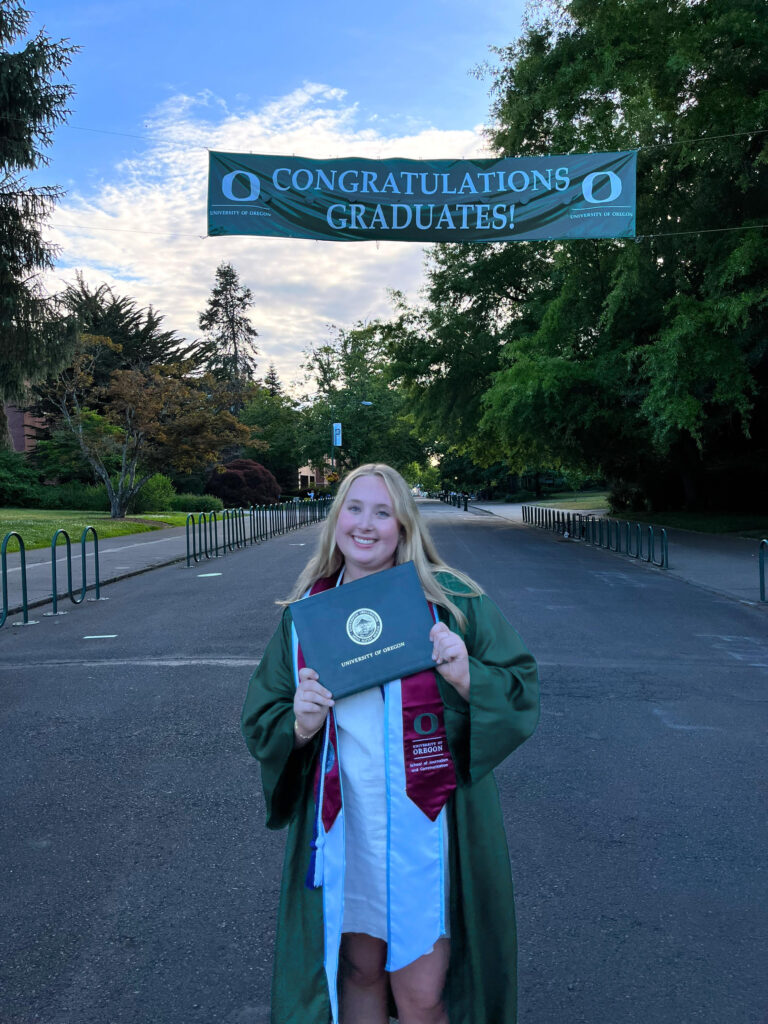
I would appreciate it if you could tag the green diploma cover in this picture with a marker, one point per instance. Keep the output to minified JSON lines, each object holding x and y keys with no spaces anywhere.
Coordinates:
{"x":367,"y":632}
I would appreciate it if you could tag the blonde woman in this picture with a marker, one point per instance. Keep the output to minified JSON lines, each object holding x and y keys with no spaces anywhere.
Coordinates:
{"x":396,"y":894}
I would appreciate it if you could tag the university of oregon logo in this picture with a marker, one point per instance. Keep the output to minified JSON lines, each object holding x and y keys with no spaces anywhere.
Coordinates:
{"x":364,"y":626}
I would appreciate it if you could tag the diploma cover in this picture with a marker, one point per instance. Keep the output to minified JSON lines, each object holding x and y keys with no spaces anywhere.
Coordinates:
{"x":366,"y":632}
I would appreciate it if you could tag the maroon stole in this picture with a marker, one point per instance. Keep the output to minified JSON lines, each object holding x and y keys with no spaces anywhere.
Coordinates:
{"x":429,"y":770}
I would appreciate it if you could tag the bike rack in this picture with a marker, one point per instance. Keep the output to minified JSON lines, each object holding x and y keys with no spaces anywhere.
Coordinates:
{"x":26,"y":621}
{"x":83,"y":569}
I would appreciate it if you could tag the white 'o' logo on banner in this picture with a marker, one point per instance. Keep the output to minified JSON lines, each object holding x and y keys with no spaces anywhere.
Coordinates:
{"x":588,"y":186}
{"x":254,"y":186}
{"x":364,"y":626}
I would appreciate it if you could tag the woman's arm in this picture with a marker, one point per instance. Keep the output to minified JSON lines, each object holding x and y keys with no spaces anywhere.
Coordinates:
{"x":500,"y":709}
{"x":268,"y":727}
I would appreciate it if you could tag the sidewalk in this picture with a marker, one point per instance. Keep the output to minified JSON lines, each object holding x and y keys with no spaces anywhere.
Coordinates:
{"x":718,"y":562}
{"x":118,"y":557}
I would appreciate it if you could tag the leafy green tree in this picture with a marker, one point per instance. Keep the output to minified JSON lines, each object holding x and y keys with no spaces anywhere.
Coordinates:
{"x":35,"y":338}
{"x":423,"y":474}
{"x":149,"y":419}
{"x":231,"y":337}
{"x":136,"y":341}
{"x":353,"y":386}
{"x":644,"y":361}
{"x":276,"y":421}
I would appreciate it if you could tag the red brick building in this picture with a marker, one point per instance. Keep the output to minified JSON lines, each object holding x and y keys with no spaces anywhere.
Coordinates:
{"x":20,"y":425}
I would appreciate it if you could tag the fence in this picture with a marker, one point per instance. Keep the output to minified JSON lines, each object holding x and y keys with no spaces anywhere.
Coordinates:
{"x":240,"y":526}
{"x":637,"y":540}
{"x":26,"y":621}
{"x":455,"y":499}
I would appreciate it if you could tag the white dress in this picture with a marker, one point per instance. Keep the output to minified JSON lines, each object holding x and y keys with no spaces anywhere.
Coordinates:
{"x":360,"y":725}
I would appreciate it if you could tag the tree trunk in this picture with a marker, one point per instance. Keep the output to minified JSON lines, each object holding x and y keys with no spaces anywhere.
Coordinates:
{"x":117,"y":506}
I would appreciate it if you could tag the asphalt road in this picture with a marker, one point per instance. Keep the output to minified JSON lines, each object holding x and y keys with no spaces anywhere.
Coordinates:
{"x":140,"y":884}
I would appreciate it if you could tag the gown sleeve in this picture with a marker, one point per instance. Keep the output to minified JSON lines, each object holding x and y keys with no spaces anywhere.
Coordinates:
{"x":503,"y":706}
{"x":267,"y":725}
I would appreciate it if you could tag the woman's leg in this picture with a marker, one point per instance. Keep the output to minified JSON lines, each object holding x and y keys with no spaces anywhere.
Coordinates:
{"x":363,"y":980}
{"x":418,"y":988}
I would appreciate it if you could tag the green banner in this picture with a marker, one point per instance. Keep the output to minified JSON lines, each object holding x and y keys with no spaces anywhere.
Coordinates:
{"x":588,"y":195}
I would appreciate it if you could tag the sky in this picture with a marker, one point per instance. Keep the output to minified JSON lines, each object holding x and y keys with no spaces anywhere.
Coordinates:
{"x":159,"y":83}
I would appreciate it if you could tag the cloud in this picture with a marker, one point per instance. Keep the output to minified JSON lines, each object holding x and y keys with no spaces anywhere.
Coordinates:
{"x":143,"y":232}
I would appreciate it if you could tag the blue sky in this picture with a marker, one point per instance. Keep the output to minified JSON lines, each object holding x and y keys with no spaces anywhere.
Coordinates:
{"x":331,"y":79}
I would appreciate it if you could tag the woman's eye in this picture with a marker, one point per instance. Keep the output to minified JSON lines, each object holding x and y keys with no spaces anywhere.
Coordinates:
{"x":353,"y":508}
{"x":383,"y":513}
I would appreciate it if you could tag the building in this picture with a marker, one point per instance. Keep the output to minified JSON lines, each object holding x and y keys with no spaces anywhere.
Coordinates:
{"x":21,"y":426}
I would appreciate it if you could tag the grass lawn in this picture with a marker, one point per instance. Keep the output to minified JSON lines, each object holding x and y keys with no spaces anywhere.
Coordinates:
{"x":576,"y":500}
{"x":754,"y":526}
{"x":37,"y":526}
{"x":709,"y":522}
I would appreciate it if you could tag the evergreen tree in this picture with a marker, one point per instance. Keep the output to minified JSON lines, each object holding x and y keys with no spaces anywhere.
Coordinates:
{"x":137,"y":341}
{"x":142,"y":342}
{"x":272,"y":381}
{"x":34,"y":338}
{"x":230,"y":334}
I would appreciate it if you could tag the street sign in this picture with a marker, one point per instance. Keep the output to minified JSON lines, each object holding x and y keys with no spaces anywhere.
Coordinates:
{"x":336,"y":435}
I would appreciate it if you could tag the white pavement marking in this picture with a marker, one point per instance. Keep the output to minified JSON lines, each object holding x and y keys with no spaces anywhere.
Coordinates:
{"x":664,"y":716}
{"x":101,"y":636}
{"x":149,"y":662}
{"x":205,"y":575}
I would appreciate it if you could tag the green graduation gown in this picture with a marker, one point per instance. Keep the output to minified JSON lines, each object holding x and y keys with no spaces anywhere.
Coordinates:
{"x":502,"y":712}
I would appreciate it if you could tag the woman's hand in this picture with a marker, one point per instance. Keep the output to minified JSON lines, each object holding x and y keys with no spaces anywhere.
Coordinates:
{"x":449,"y":653}
{"x":310,"y":706}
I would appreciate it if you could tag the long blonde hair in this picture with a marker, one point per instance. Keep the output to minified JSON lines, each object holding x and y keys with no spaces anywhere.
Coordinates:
{"x":415,"y":545}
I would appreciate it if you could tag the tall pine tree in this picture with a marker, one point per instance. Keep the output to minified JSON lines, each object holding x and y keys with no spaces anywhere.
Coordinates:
{"x":272,"y":381}
{"x":230,"y":334}
{"x":34,"y":339}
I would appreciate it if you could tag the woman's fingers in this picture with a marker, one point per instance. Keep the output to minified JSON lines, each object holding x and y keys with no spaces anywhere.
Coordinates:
{"x":311,"y":702}
{"x":449,"y":652}
{"x":446,"y":646}
{"x":312,"y":690}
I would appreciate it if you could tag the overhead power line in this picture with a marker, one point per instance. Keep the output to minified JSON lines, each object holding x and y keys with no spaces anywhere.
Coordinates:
{"x":158,"y":138}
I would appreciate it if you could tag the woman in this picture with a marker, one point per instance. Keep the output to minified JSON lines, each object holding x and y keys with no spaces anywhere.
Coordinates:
{"x":408,"y":896}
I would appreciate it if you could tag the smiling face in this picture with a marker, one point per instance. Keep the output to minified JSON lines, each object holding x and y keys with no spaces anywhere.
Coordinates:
{"x":367,"y":531}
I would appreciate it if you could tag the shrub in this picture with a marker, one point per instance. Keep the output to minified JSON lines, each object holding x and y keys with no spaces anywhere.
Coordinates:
{"x":156,"y":495}
{"x":18,"y":481}
{"x":196,"y":503}
{"x":243,"y":482}
{"x":83,"y":497}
